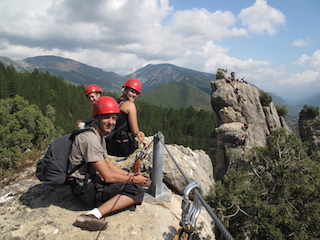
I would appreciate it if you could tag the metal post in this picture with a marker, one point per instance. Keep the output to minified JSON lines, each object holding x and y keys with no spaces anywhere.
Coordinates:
{"x":157,"y":189}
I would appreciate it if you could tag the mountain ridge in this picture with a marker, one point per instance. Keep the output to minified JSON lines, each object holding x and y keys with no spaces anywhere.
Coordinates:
{"x":151,"y":76}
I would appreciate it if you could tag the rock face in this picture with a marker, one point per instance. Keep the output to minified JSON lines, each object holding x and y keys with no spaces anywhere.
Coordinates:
{"x":242,"y":121}
{"x":309,"y":129}
{"x":31,"y":210}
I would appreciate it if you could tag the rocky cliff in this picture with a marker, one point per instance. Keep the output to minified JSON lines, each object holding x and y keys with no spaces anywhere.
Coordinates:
{"x":309,"y":127}
{"x":31,"y":210}
{"x":243,"y":121}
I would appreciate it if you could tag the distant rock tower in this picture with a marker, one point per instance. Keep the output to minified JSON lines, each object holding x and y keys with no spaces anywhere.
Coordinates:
{"x":243,"y":121}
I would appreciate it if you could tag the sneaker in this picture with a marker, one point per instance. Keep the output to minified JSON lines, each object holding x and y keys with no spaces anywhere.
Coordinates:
{"x":90,"y":222}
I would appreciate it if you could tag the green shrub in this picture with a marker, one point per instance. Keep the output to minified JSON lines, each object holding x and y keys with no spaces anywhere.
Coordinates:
{"x":265,"y":98}
{"x":310,"y":112}
{"x":274,"y":195}
{"x":220,"y":75}
{"x":23,"y":128}
{"x":282,"y":110}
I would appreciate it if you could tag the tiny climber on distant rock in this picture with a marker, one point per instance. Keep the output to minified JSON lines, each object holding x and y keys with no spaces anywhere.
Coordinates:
{"x":238,"y":94}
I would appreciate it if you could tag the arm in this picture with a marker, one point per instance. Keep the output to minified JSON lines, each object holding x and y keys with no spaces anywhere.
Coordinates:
{"x":103,"y":167}
{"x":115,"y":168}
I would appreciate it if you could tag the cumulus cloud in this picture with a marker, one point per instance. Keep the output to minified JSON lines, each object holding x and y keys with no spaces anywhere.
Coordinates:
{"x":205,"y":24}
{"x":262,"y":18}
{"x":300,"y":43}
{"x":307,"y":77}
{"x":312,"y":61}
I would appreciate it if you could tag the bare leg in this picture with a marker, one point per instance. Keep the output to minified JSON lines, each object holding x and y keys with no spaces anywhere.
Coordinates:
{"x":116,"y":203}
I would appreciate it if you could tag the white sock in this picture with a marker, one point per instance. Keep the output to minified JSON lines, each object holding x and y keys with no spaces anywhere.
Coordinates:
{"x":95,"y":212}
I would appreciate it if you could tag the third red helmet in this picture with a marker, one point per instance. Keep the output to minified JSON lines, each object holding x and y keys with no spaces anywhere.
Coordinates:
{"x":134,"y":84}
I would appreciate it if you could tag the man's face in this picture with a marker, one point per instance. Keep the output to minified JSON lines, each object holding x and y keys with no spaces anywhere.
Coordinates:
{"x":93,"y":97}
{"x":107,"y":122}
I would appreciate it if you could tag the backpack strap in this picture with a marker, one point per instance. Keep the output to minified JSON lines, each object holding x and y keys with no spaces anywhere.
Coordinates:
{"x":72,"y":137}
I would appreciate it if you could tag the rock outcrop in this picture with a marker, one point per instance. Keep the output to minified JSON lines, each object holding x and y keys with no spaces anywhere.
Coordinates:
{"x":31,"y":210}
{"x":309,"y":129}
{"x":242,"y":121}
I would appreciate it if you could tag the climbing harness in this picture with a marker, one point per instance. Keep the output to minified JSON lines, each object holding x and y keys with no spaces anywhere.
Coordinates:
{"x":190,"y":212}
{"x":136,"y":157}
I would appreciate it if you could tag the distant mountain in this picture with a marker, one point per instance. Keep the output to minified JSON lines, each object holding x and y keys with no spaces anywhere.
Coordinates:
{"x":20,"y":66}
{"x":178,"y":95}
{"x":313,"y":100}
{"x":153,"y":75}
{"x":75,"y":72}
{"x":293,"y":112}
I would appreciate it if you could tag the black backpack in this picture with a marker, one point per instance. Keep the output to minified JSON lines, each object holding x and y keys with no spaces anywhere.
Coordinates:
{"x":52,"y":169}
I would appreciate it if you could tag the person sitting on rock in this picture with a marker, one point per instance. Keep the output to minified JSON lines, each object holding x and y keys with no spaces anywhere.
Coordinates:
{"x":99,"y":183}
{"x":233,"y":76}
{"x":127,"y":139}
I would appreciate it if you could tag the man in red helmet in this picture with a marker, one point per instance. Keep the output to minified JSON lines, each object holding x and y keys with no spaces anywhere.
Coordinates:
{"x":99,"y":183}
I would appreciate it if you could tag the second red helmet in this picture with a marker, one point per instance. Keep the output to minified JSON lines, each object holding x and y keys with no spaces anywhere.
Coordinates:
{"x":134,"y":84}
{"x":92,"y":88}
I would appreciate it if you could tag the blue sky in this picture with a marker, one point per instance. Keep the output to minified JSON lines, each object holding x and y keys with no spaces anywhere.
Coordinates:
{"x":274,"y":44}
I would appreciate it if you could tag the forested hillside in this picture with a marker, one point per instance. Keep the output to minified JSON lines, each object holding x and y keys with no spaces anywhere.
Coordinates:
{"x":64,"y":103}
{"x":177,"y":95}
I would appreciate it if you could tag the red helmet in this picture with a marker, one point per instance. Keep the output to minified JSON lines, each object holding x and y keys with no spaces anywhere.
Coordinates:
{"x":105,"y":105}
{"x":134,"y":84}
{"x":92,"y":88}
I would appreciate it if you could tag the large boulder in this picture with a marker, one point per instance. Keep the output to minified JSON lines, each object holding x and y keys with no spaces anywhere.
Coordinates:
{"x":196,"y":164}
{"x":31,"y":210}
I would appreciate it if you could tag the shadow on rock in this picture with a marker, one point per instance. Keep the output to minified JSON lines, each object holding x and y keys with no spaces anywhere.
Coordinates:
{"x":170,"y":234}
{"x":42,"y":195}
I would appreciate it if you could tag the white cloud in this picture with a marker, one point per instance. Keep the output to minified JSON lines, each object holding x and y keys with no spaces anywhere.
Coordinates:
{"x":261,"y":18}
{"x":307,"y":77}
{"x":300,"y":43}
{"x":312,"y":61}
{"x":205,"y":24}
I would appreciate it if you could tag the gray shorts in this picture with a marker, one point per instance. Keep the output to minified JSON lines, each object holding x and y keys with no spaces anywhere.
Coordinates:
{"x":97,"y":192}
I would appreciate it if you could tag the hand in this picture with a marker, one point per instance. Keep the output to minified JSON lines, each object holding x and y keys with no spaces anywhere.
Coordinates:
{"x":140,"y":135}
{"x":140,"y":179}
